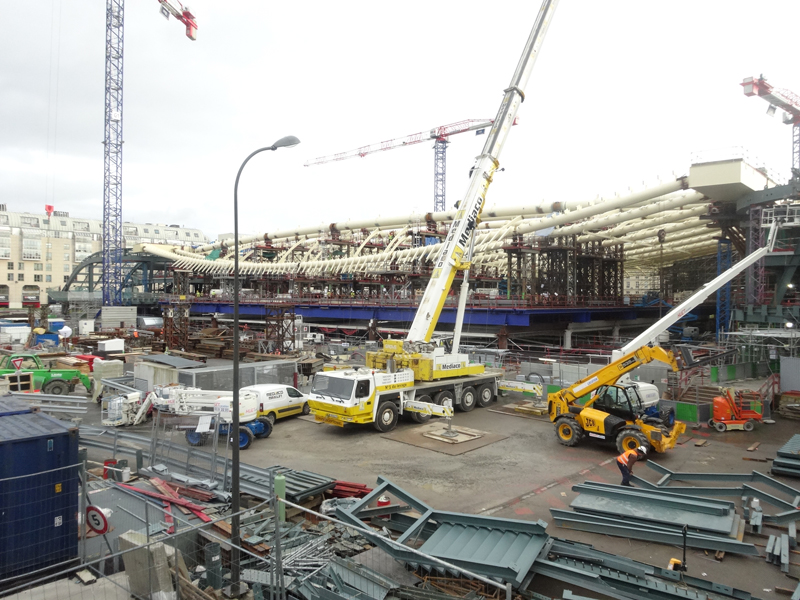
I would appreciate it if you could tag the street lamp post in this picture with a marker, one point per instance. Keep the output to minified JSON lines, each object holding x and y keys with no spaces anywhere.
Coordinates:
{"x":285,"y":142}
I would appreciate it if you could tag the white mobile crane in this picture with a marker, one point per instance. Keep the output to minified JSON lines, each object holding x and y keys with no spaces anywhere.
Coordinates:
{"x":416,"y":375}
{"x":218,"y":404}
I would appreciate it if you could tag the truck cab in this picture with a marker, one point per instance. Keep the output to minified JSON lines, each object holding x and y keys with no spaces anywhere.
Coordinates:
{"x":354,"y":395}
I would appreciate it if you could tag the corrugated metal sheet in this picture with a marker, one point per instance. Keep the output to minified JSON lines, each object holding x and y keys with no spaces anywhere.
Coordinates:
{"x":173,"y":361}
{"x":501,"y":548}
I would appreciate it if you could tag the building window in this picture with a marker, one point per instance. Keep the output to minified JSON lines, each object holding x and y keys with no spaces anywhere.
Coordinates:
{"x":3,"y":219}
{"x":66,"y":269}
{"x":80,"y":226}
{"x":38,"y":266}
{"x":31,"y":248}
{"x":196,"y":235}
{"x":146,"y":230}
{"x":48,"y":267}
{"x":188,"y":234}
{"x":48,"y":256}
{"x":156,"y":231}
{"x":63,"y":223}
{"x":21,"y":266}
{"x":20,"y":276}
{"x":170,"y":233}
{"x":5,"y":246}
{"x":37,"y":277}
{"x":48,"y":245}
{"x":10,"y":266}
{"x":66,"y":255}
{"x":48,"y":278}
{"x":130,"y":230}
{"x":29,"y":221}
{"x":11,"y":277}
{"x":66,"y":245}
{"x":66,"y":278}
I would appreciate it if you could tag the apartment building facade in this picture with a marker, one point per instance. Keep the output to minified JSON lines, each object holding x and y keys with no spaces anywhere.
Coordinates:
{"x":38,"y":252}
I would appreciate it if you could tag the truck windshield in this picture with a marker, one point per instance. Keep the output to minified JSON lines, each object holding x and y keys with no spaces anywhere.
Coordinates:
{"x":333,"y":386}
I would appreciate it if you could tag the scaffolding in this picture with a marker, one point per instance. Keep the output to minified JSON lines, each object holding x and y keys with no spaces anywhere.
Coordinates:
{"x":724,"y":262}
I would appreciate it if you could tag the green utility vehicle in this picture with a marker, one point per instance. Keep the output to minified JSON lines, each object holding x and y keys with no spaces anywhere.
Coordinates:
{"x":50,"y":381}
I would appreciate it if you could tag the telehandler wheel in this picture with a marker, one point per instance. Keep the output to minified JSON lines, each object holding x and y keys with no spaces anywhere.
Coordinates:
{"x":485,"y":395}
{"x":56,"y":387}
{"x":419,"y":417}
{"x":246,"y":438}
{"x":386,"y":418}
{"x":721,"y":427}
{"x":749,"y":425}
{"x":468,"y":399}
{"x":629,"y":439}
{"x":568,"y":432}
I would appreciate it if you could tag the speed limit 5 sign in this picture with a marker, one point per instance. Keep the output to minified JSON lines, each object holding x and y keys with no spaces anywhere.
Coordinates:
{"x":96,"y":520}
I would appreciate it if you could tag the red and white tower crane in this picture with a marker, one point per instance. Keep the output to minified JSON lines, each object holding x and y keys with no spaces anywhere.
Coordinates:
{"x":788,"y":102}
{"x":182,"y":13}
{"x":439,"y":134}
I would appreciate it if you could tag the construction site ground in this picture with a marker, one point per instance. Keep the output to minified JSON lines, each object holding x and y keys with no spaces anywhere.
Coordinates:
{"x":525,"y":472}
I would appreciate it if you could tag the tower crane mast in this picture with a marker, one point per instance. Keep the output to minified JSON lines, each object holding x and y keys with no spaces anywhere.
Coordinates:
{"x":113,"y":241}
{"x":440,"y":136}
{"x":788,"y":102}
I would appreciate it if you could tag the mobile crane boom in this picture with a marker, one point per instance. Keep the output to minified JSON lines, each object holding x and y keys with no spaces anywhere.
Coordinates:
{"x":455,"y":254}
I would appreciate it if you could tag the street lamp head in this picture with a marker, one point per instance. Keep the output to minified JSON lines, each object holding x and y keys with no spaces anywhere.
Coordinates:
{"x":286,"y":142}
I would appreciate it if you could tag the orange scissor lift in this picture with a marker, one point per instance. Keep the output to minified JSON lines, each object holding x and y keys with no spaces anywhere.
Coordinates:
{"x":736,"y":409}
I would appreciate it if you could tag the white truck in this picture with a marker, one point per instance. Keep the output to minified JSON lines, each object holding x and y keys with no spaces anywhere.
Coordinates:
{"x":415,"y":375}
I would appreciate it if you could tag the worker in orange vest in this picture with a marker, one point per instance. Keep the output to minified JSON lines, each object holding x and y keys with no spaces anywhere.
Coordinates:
{"x":626,"y":460}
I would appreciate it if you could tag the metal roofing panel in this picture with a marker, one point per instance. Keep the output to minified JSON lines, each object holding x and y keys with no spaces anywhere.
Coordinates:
{"x":10,"y":405}
{"x":30,"y":425}
{"x":173,"y":361}
{"x":791,"y":449}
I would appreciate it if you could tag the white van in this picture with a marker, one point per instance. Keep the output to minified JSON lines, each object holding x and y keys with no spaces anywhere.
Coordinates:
{"x":276,"y":400}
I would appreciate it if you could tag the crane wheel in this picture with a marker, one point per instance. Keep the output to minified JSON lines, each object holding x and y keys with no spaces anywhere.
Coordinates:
{"x":386,"y":418}
{"x":749,"y":425}
{"x":246,"y":438}
{"x":195,"y":439}
{"x":629,"y":439}
{"x":485,"y":395}
{"x":267,"y":424}
{"x":469,"y":398}
{"x":419,"y":417}
{"x":568,"y":432}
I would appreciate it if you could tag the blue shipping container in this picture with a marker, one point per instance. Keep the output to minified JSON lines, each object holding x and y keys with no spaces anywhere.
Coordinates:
{"x":39,"y":486}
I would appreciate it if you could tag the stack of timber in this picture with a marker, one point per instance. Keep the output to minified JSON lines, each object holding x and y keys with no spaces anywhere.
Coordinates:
{"x":788,"y":460}
{"x":69,"y":362}
{"x":656,"y":515}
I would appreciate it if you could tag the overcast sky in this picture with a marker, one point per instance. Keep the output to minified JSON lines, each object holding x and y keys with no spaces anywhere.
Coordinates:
{"x":623,"y":92}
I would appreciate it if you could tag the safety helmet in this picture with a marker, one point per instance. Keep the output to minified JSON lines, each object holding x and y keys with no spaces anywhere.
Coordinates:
{"x":642,"y":450}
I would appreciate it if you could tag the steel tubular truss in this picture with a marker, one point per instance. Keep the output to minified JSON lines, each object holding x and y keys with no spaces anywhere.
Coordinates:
{"x":724,"y":262}
{"x":439,"y":174}
{"x":113,"y":244}
{"x":756,"y":275}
